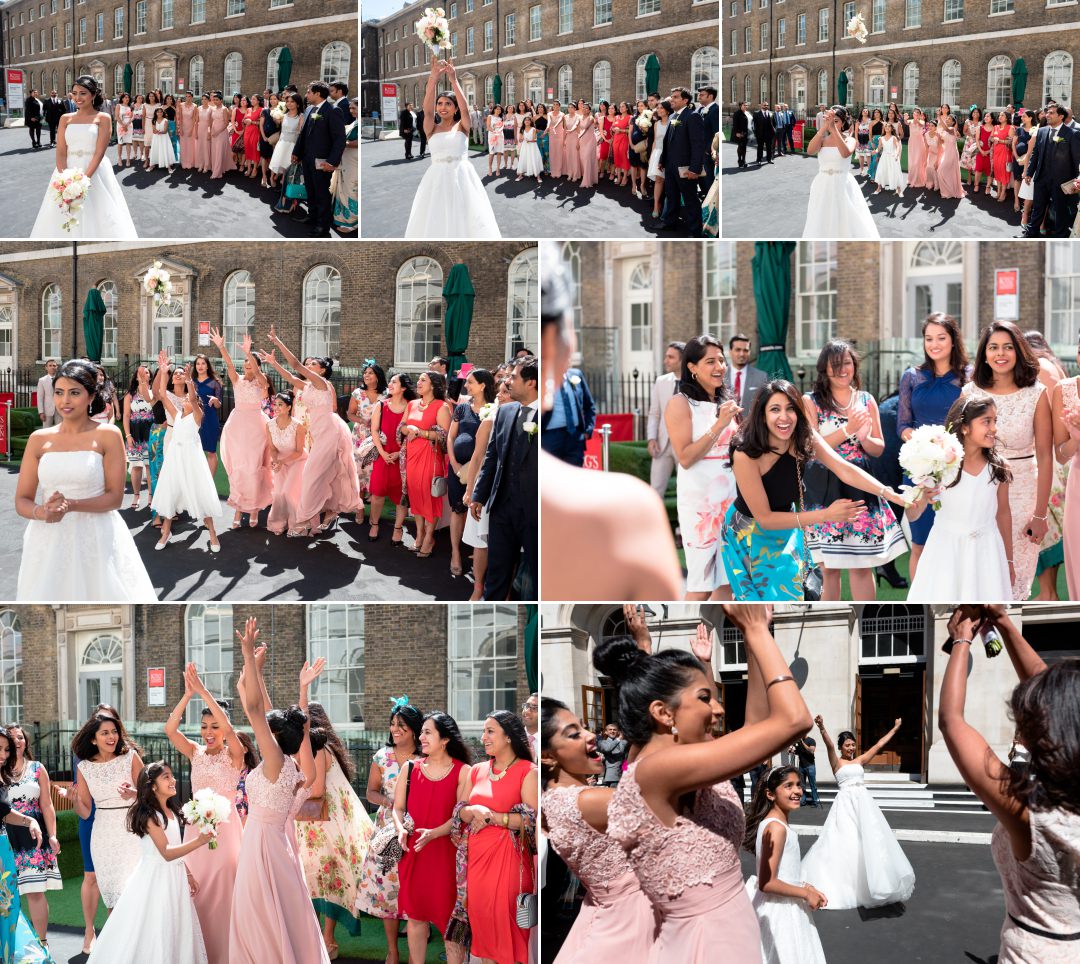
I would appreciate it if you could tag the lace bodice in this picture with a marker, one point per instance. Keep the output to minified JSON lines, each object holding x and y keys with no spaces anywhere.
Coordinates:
{"x":284,"y":439}
{"x":103,"y":779}
{"x":290,"y":127}
{"x":594,"y":857}
{"x":697,"y":850}
{"x":81,"y":142}
{"x":79,"y":475}
{"x":1070,"y":398}
{"x":448,"y":147}
{"x":1015,"y":417}
{"x":214,"y":770}
{"x":274,"y":800}
{"x":248,"y":393}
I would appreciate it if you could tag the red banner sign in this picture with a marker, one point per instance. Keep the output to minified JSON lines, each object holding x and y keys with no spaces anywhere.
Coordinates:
{"x":622,"y":430}
{"x":155,"y":676}
{"x":389,"y":90}
{"x":796,"y":135}
{"x":7,"y":401}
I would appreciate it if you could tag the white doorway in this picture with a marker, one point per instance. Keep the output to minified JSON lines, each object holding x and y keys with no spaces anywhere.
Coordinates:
{"x":935,"y":282}
{"x":101,"y":673}
{"x":638,"y":317}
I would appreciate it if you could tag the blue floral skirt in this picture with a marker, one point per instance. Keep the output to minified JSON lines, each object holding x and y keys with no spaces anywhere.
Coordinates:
{"x":763,"y":565}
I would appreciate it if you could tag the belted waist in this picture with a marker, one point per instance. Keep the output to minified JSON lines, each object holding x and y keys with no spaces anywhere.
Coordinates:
{"x":446,"y":160}
{"x":1017,"y":458}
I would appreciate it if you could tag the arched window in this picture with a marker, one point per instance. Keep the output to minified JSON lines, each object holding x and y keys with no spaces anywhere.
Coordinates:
{"x":10,"y":665}
{"x":998,"y":82}
{"x":763,"y":88}
{"x":509,"y":88}
{"x":322,"y":311}
{"x":67,"y":81}
{"x":571,"y":255}
{"x":640,"y":93}
{"x":823,"y":87}
{"x":418,"y":312}
{"x":748,"y":89}
{"x":234,"y":69}
{"x":489,"y":89}
{"x":101,"y":674}
{"x":140,"y":79}
{"x":52,"y":303}
{"x":335,"y":62}
{"x":238,"y":311}
{"x":950,"y":82}
{"x":705,"y":68}
{"x":566,"y":84}
{"x":640,"y":298}
{"x":734,"y":91}
{"x":601,"y":81}
{"x":911,"y":84}
{"x":272,"y":68}
{"x":195,"y":76}
{"x":118,"y":78}
{"x":935,"y":282}
{"x":112,"y":301}
{"x":522,"y":308}
{"x":877,"y":90}
{"x":1058,"y":77}
{"x":335,"y":632}
{"x":781,"y":88}
{"x":937,"y":254}
{"x":208,"y":644}
{"x":892,"y":634}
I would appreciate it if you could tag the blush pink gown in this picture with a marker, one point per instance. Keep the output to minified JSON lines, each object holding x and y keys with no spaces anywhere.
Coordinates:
{"x":220,"y":153}
{"x":587,"y":152}
{"x":272,"y":920}
{"x":616,"y":917}
{"x":1071,"y":526}
{"x":916,"y":149}
{"x":556,"y":139}
{"x":948,"y":172}
{"x":245,"y":452}
{"x":691,"y":873}
{"x":215,"y":870}
{"x":287,"y":480}
{"x":330,"y":482}
{"x":571,"y":155}
{"x":188,"y":118}
{"x":202,"y":155}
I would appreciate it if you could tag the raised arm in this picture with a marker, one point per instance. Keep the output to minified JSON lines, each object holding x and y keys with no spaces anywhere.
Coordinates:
{"x":314,"y":377}
{"x":451,"y":72}
{"x":430,"y":95}
{"x":868,"y":755}
{"x":314,"y":771}
{"x":172,"y":724}
{"x":834,"y":760}
{"x":1025,"y":660}
{"x":251,"y":694}
{"x":271,"y":358}
{"x":217,"y":338}
{"x":193,"y":681}
{"x":193,"y":394}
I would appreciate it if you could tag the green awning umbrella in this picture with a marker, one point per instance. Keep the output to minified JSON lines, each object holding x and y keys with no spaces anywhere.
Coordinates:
{"x":1019,"y":82}
{"x":459,"y":294}
{"x":93,"y":319}
{"x":841,"y":88}
{"x":772,"y":293}
{"x":128,"y":75}
{"x":496,"y":89}
{"x":652,"y":74}
{"x":284,"y":68}
{"x":532,"y":664}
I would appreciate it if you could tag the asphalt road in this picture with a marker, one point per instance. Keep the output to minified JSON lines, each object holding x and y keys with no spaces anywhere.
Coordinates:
{"x":523,"y":209}
{"x":770,"y":202}
{"x":184,"y":204}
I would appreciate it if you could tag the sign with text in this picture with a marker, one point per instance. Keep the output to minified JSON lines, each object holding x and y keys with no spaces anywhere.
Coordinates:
{"x":155,"y":686}
{"x":622,"y":430}
{"x":204,"y":333}
{"x":389,"y":101}
{"x":1007,"y":294}
{"x":7,"y":402}
{"x":15,"y":93}
{"x":796,"y":135}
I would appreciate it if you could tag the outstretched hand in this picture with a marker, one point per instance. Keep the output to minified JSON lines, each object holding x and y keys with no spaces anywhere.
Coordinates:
{"x":249,"y":636}
{"x":311,"y":671}
{"x":747,"y":615}
{"x":701,"y":645}
{"x":634,"y":616}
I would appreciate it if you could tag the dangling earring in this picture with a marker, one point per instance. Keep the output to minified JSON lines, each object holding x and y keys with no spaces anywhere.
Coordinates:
{"x":675,"y":732}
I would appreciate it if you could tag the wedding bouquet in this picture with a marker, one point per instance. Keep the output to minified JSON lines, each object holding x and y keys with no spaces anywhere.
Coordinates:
{"x":206,"y":811}
{"x":278,"y":113}
{"x":156,"y":282}
{"x":69,"y":189}
{"x":433,"y":30}
{"x":856,"y":28}
{"x":644,"y":120}
{"x":932,"y":458}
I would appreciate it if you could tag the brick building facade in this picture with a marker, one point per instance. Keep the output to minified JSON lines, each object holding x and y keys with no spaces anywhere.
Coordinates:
{"x":180,"y":45}
{"x":916,"y":54}
{"x":561,"y":50}
{"x":350,"y":301}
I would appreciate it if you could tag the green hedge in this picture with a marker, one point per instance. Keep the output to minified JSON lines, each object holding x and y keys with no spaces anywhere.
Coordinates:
{"x":70,"y":860}
{"x":24,"y":421}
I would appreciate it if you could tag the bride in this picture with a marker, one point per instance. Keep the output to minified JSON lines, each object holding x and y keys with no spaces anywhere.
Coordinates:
{"x":837,"y":208}
{"x":450,"y":201}
{"x":83,"y":138}
{"x":76,"y":547}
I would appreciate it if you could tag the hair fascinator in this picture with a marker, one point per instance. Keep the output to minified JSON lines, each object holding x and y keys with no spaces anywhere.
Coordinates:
{"x":400,"y":703}
{"x":368,"y":362}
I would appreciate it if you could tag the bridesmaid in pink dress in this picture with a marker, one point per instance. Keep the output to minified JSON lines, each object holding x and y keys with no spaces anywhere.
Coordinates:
{"x":245,"y":450}
{"x":571,"y":153}
{"x":202,"y":134}
{"x":272,"y":919}
{"x":1065,"y":404}
{"x":587,"y":145}
{"x":674,"y":812}
{"x":917,"y":150}
{"x":218,"y":763}
{"x":330,"y":484}
{"x":949,"y":182}
{"x":217,"y":133}
{"x":187,"y":122}
{"x":556,"y":139}
{"x":616,"y":917}
{"x":288,"y":456}
{"x":933,"y":155}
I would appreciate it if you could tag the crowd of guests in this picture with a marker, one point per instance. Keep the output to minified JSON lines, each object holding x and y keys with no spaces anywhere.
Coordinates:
{"x":251,"y":136}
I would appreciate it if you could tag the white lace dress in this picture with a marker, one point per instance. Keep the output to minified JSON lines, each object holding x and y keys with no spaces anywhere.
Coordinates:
{"x":837,"y":208}
{"x":115,"y":850}
{"x":450,"y":201}
{"x":283,"y":149}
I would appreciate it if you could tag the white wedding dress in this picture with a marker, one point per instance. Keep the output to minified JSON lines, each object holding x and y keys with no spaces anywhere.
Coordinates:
{"x":964,"y":556}
{"x":890,"y":175}
{"x":184,"y":482}
{"x":86,"y":556}
{"x":856,"y":862}
{"x":104,"y":212}
{"x":155,"y":918}
{"x":837,"y":208}
{"x":450,"y":201}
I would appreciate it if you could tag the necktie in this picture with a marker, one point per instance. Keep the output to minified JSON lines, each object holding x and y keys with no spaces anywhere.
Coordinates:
{"x":738,"y":386}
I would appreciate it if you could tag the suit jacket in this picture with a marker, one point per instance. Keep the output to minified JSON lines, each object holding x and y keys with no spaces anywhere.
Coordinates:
{"x":54,"y":110}
{"x":764,"y":125}
{"x":740,"y":124}
{"x":710,"y":116}
{"x":343,"y":106}
{"x":510,"y":450}
{"x":405,"y":121}
{"x":662,"y":393}
{"x":46,"y":404}
{"x":752,"y":379}
{"x":323,"y":138}
{"x":580,"y":400}
{"x":684,"y":143}
{"x":69,"y":106}
{"x":1052,"y":164}
{"x":32,"y":109}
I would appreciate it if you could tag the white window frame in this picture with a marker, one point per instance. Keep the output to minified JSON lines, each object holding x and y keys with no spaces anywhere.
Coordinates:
{"x":601,"y":81}
{"x":321,"y":326}
{"x":475,"y":634}
{"x":821,"y":326}
{"x":951,"y":94}
{"x":237,"y":311}
{"x":336,"y":632}
{"x":232,"y":68}
{"x":1063,"y":322}
{"x":882,"y":621}
{"x":11,"y":660}
{"x":1053,"y":87}
{"x":335,"y":61}
{"x":718,"y":271}
{"x":110,"y":294}
{"x":522,"y":304}
{"x":52,"y":321}
{"x":211,"y":653}
{"x":999,"y":68}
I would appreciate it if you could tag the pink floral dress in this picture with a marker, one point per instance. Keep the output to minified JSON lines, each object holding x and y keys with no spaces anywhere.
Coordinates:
{"x":37,"y":867}
{"x":361,"y":431}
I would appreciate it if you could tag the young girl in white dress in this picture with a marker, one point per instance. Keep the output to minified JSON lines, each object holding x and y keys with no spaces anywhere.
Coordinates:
{"x":155,"y":919}
{"x":837,"y":208}
{"x":530,"y":163}
{"x":856,"y":861}
{"x":450,"y":201}
{"x":161,"y":149}
{"x":781,"y":898}
{"x":968,"y":554}
{"x":890,"y":176}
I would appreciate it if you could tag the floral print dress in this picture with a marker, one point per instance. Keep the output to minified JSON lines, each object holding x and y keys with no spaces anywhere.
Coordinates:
{"x":37,"y":867}
{"x":361,"y":431}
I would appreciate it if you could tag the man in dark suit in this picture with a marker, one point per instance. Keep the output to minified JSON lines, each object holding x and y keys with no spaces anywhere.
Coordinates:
{"x":420,"y":132}
{"x":742,"y":378}
{"x":764,"y":131}
{"x":319,"y":149}
{"x":740,"y":130}
{"x":407,"y":127}
{"x":32,"y":116}
{"x":1055,"y":159}
{"x":339,"y":97}
{"x":571,"y":421}
{"x":683,"y":160}
{"x":710,"y":115}
{"x":507,"y":486}
{"x":54,"y":110}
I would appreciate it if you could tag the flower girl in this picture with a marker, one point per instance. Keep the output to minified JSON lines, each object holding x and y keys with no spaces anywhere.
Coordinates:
{"x":969,"y":552}
{"x":890,"y":176}
{"x":530,"y":163}
{"x":161,"y":149}
{"x":154,"y":920}
{"x":782,"y":900}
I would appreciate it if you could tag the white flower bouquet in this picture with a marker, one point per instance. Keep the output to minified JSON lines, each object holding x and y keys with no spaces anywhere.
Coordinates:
{"x":206,"y":811}
{"x":487,"y":411}
{"x":932,"y":458}
{"x":278,"y":113}
{"x":856,"y":28}
{"x":433,"y":30}
{"x":69,"y":189}
{"x":644,"y":120}
{"x":156,"y":282}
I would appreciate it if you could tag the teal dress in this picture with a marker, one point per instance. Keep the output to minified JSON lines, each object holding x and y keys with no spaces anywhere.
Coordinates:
{"x":346,"y":207}
{"x":18,"y":942}
{"x":874,"y":158}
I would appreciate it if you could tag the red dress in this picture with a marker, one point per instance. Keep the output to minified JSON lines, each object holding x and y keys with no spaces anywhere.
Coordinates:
{"x":423,"y":461}
{"x":620,"y":146}
{"x":605,"y":144}
{"x":236,"y":118}
{"x":982,"y":162}
{"x":386,"y":476}
{"x":251,"y":134}
{"x":498,"y":871}
{"x":428,"y":878}
{"x":1002,"y":154}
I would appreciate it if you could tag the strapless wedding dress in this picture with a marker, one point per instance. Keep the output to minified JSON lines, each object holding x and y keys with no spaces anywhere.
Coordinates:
{"x":837,"y":208}
{"x":104,"y":212}
{"x":450,"y":201}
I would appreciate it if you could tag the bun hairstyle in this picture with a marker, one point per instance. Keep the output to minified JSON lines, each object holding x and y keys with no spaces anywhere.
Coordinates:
{"x":146,"y":806}
{"x":85,"y":80}
{"x":549,"y":710}
{"x":453,"y":100}
{"x":223,"y":704}
{"x":286,"y":398}
{"x":323,"y":734}
{"x":760,"y":804}
{"x":964,"y":411}
{"x":326,"y":364}
{"x":842,"y":115}
{"x":642,"y":679}
{"x":515,"y":732}
{"x":844,"y":736}
{"x":81,"y":371}
{"x":288,"y":728}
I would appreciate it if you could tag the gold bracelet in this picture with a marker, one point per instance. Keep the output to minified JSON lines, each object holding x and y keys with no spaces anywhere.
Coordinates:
{"x":779,"y":679}
{"x":506,"y":820}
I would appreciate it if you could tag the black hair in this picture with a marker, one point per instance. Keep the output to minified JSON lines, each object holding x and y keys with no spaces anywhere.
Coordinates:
{"x":965,"y":410}
{"x":288,"y":728}
{"x":83,"y":743}
{"x":318,"y":87}
{"x":844,"y":117}
{"x":124,"y":94}
{"x":514,"y":729}
{"x":326,"y":364}
{"x":447,"y":728}
{"x":738,"y":336}
{"x":450,"y":96}
{"x":438,"y":384}
{"x":1040,"y":347}
{"x":527,"y":365}
{"x":213,"y":375}
{"x":485,"y":378}
{"x":693,"y":351}
{"x":760,"y":804}
{"x":753,"y":434}
{"x":28,"y":750}
{"x":298,"y":100}
{"x":380,"y":377}
{"x":641,"y":679}
{"x":1026,"y":370}
{"x":286,"y":397}
{"x":260,"y":99}
{"x":322,"y":734}
{"x":81,"y":371}
{"x":342,"y":86}
{"x":158,"y":110}
{"x":406,"y":383}
{"x":251,"y":753}
{"x":844,"y":736}
{"x":224,"y":705}
{"x":7,"y":769}
{"x":549,"y":710}
{"x":146,"y":806}
{"x":684,"y":92}
{"x":832,"y":357}
{"x":711,"y":91}
{"x":85,"y":80}
{"x":411,"y":718}
{"x":958,"y":360}
{"x":134,"y":386}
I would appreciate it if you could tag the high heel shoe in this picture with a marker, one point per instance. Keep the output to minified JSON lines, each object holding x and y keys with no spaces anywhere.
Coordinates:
{"x":401,"y":541}
{"x":373,"y":528}
{"x":890,"y":575}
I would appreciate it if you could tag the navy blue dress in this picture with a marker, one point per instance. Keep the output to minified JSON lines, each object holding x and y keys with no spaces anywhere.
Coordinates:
{"x":464,"y":445}
{"x":210,"y":429}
